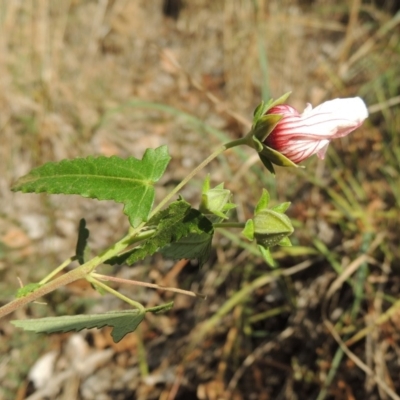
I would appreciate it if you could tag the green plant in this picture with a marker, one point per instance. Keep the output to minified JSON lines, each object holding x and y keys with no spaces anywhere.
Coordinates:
{"x":177,"y":230}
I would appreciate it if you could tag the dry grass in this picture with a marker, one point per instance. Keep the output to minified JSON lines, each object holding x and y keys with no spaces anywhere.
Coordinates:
{"x":110,"y":77}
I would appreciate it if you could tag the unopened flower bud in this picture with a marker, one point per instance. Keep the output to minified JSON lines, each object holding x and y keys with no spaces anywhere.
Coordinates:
{"x":216,"y":200}
{"x":271,"y":227}
{"x":299,"y":136}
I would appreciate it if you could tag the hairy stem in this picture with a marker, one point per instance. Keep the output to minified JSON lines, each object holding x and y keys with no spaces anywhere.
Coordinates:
{"x":78,"y":273}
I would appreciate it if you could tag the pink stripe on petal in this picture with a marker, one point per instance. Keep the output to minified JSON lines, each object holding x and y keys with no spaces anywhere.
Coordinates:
{"x":300,"y":136}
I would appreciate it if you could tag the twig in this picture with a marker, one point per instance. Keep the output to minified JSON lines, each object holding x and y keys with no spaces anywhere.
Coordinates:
{"x":149,"y":285}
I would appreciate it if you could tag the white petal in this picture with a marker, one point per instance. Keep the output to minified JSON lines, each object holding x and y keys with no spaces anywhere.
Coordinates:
{"x":321,"y":153}
{"x":351,"y":109}
{"x":307,"y":109}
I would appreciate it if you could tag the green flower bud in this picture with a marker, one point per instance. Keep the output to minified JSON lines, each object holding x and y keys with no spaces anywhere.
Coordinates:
{"x":271,"y":227}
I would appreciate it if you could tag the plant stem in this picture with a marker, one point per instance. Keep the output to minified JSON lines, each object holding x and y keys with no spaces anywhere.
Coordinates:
{"x":211,"y":157}
{"x":229,"y":225}
{"x":78,"y":273}
{"x":63,"y":280}
{"x":133,"y":236}
{"x":146,"y":284}
{"x":56,"y":271}
{"x":96,"y":282}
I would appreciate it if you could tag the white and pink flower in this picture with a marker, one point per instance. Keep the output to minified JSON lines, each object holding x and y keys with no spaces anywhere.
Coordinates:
{"x":299,"y":136}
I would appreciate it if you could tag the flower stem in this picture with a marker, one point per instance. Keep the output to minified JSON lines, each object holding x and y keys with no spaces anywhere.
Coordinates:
{"x":146,"y":284}
{"x":96,"y":282}
{"x":211,"y":157}
{"x":229,"y":225}
{"x":56,"y":271}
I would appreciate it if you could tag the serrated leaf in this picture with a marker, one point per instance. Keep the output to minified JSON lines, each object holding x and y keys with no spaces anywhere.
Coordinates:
{"x":129,"y":181}
{"x":81,"y":244}
{"x":179,"y":220}
{"x":193,"y":246}
{"x":281,"y":208}
{"x":123,"y":322}
{"x":263,"y":202}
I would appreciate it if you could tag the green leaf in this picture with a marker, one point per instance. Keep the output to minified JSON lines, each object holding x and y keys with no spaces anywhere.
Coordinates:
{"x":129,"y":181}
{"x":179,"y":220}
{"x":29,"y":288}
{"x":81,"y":244}
{"x":123,"y":322}
{"x":263,"y":202}
{"x":248,"y":231}
{"x":194,"y":246}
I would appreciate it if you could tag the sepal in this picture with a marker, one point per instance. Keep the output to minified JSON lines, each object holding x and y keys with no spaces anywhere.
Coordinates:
{"x":264,"y":107}
{"x":278,"y":101}
{"x":269,"y":226}
{"x":263,"y":126}
{"x":263,"y":202}
{"x":216,"y":200}
{"x":281,"y":207}
{"x":248,"y":231}
{"x":266,"y":255}
{"x":277,"y":158}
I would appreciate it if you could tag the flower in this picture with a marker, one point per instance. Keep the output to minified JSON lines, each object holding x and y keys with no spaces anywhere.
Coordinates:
{"x":299,"y":136}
